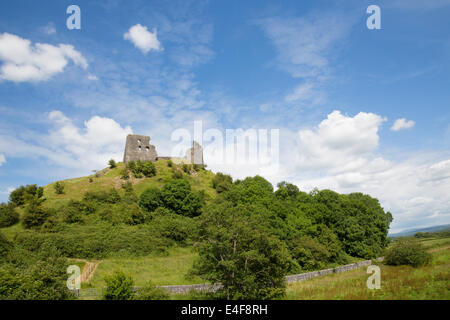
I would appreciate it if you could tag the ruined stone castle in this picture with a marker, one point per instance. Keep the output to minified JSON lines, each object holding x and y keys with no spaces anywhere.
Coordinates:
{"x":138,"y":147}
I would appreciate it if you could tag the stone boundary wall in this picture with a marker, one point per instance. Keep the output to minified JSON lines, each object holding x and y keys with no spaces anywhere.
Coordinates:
{"x":179,"y":289}
{"x":289,"y":279}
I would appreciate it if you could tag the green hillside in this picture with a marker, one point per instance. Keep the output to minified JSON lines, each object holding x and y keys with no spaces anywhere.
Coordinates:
{"x":111,"y":178}
{"x":176,"y":223}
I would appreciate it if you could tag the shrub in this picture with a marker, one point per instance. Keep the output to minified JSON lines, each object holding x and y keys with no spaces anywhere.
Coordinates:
{"x":407,"y":252}
{"x":151,"y":199}
{"x":170,"y":163}
{"x":222,"y":182}
{"x":96,"y":241}
{"x":148,"y":169}
{"x":59,"y":187}
{"x":102,"y":196}
{"x":150,"y":292}
{"x":186,"y":168}
{"x":172,"y":226}
{"x":125,"y":174}
{"x":72,"y":212}
{"x":5,"y":245}
{"x":309,"y":254}
{"x":119,"y":287}
{"x":35,"y":215}
{"x":177,"y":174}
{"x":112,"y":164}
{"x":8,"y":215}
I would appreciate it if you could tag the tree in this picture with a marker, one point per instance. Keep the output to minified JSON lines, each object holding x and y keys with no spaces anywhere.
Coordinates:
{"x":119,"y":287}
{"x":177,"y":196}
{"x":8,"y":215}
{"x":237,"y":250}
{"x":59,"y":187}
{"x":112,"y":164}
{"x":23,"y":193}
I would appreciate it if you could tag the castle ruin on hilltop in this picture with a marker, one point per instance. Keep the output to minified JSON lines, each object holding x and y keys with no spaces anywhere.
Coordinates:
{"x":138,"y":147}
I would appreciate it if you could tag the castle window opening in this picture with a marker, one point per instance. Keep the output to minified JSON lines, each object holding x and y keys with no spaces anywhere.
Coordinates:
{"x":139,"y":141}
{"x":147,"y":149}
{"x":140,"y":148}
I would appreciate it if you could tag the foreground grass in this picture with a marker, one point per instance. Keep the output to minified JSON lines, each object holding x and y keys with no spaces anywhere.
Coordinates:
{"x":397,"y":283}
{"x":161,"y":270}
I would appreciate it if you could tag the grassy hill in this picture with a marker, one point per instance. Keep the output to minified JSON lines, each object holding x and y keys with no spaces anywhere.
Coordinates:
{"x":111,"y":178}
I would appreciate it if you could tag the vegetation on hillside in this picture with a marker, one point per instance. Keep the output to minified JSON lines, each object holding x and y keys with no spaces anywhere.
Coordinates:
{"x":247,"y":235}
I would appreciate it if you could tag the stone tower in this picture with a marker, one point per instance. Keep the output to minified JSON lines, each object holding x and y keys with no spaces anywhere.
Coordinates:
{"x":139,"y":148}
{"x":195,"y":154}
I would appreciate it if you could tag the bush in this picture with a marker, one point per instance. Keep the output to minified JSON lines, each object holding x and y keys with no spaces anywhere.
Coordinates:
{"x":5,"y":245}
{"x":177,"y":174}
{"x":125,"y":174}
{"x":8,"y":215}
{"x":186,"y":168}
{"x":151,"y":199}
{"x":72,"y":212}
{"x":119,"y":287}
{"x":172,"y":226}
{"x":222,"y":182}
{"x":150,"y":292}
{"x":170,"y":163}
{"x":407,"y":252}
{"x":141,"y":169}
{"x":102,"y":196}
{"x":112,"y":164}
{"x":97,"y":241}
{"x":148,"y":169}
{"x":59,"y":187}
{"x":35,"y":215}
{"x":309,"y":254}
{"x":27,"y":276}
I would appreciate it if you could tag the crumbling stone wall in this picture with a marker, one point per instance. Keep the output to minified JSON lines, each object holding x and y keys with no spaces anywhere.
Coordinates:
{"x":138,"y":147}
{"x":195,"y":154}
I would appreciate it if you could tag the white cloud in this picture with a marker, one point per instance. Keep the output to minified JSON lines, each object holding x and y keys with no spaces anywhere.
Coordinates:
{"x":49,"y":28}
{"x":304,"y":44}
{"x":92,"y":146}
{"x":401,"y":124}
{"x":2,"y":159}
{"x":143,"y":39}
{"x":338,"y":141}
{"x":92,"y":77}
{"x":22,"y":61}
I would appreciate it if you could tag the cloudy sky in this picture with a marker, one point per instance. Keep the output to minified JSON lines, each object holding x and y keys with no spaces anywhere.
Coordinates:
{"x":356,"y":109}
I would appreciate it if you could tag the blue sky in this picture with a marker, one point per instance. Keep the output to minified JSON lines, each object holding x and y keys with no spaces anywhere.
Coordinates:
{"x":357,"y":109}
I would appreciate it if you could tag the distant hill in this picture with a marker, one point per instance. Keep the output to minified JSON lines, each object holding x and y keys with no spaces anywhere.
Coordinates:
{"x":411,"y":232}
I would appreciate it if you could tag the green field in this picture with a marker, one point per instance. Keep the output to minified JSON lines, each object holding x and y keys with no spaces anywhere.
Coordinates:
{"x":161,"y":270}
{"x":397,"y":283}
